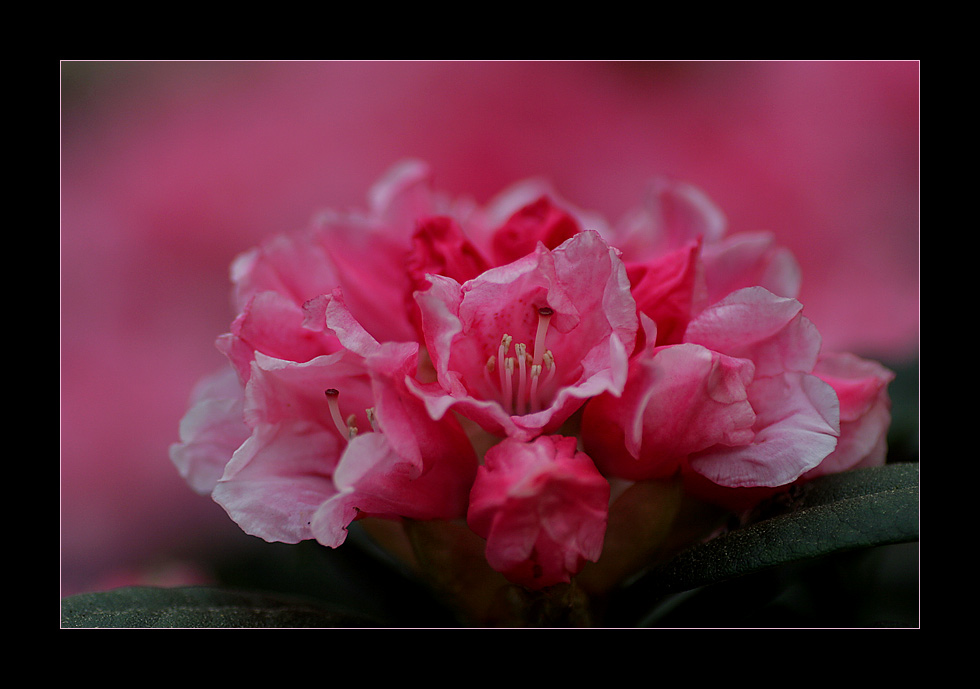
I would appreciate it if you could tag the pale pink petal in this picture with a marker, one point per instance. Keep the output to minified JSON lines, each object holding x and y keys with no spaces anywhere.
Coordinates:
{"x":526,"y":192}
{"x":796,"y":428}
{"x":678,"y":400}
{"x":403,"y":194}
{"x":865,"y":411}
{"x":284,"y":391}
{"x":295,"y":266}
{"x":211,"y":430}
{"x":756,"y":324}
{"x":673,"y":215}
{"x":278,"y":479}
{"x":750,"y":259}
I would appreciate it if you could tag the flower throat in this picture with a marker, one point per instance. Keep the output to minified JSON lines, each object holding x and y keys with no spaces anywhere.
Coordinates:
{"x":521,"y":379}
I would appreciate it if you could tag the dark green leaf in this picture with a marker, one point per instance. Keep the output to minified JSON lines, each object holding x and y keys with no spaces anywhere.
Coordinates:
{"x":834,"y":514}
{"x":197,"y":607}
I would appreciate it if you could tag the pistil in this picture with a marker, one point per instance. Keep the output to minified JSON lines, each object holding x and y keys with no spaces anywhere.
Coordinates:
{"x":332,"y":401}
{"x":347,"y":430}
{"x":544,"y":319}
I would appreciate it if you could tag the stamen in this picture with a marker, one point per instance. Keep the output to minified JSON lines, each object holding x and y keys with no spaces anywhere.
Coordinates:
{"x":549,"y":362}
{"x":509,"y":385}
{"x":521,"y":350}
{"x":501,"y":355}
{"x":487,"y":370}
{"x":544,"y":318}
{"x":372,"y":418}
{"x":332,"y":395}
{"x":535,"y":375}
{"x":351,"y":427}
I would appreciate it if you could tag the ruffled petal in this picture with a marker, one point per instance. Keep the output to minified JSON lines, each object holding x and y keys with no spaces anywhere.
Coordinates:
{"x":542,"y":506}
{"x":678,"y":400}
{"x":211,"y":430}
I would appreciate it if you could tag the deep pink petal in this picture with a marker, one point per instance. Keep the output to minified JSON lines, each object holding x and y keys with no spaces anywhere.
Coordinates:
{"x":678,"y":400}
{"x":539,"y":221}
{"x":373,"y":479}
{"x":670,"y":290}
{"x":542,"y":506}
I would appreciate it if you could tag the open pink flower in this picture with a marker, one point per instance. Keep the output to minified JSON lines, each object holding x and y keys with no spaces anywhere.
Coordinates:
{"x":339,"y":437}
{"x":542,"y":506}
{"x":737,"y":403}
{"x":521,"y":347}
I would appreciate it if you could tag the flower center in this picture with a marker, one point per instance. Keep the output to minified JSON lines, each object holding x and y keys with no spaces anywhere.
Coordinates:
{"x":347,"y":429}
{"x":521,"y":380}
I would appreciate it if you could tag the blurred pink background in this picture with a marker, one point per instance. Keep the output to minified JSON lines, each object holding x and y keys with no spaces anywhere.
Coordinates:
{"x":171,"y":169}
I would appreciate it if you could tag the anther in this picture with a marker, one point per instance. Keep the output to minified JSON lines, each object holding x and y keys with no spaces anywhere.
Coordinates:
{"x":549,"y":363}
{"x":372,"y":418}
{"x":487,"y":370}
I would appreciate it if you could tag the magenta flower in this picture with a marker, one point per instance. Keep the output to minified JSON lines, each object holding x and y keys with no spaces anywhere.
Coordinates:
{"x":521,"y":347}
{"x":542,"y":506}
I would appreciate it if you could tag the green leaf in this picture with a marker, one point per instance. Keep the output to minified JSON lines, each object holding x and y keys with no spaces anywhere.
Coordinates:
{"x":197,"y":607}
{"x":834,"y":514}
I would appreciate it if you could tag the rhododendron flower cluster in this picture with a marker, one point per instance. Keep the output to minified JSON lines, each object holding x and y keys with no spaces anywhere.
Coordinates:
{"x":515,"y":367}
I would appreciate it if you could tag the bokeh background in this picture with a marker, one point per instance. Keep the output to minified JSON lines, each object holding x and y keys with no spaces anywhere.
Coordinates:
{"x":170,"y":169}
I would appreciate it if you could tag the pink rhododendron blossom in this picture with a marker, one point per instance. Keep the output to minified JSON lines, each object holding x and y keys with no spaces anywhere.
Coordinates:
{"x":431,"y":359}
{"x":542,"y":506}
{"x":521,"y":347}
{"x":339,"y":437}
{"x":737,"y":402}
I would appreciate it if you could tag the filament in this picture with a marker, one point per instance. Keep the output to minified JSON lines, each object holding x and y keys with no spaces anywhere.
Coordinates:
{"x":521,"y":350}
